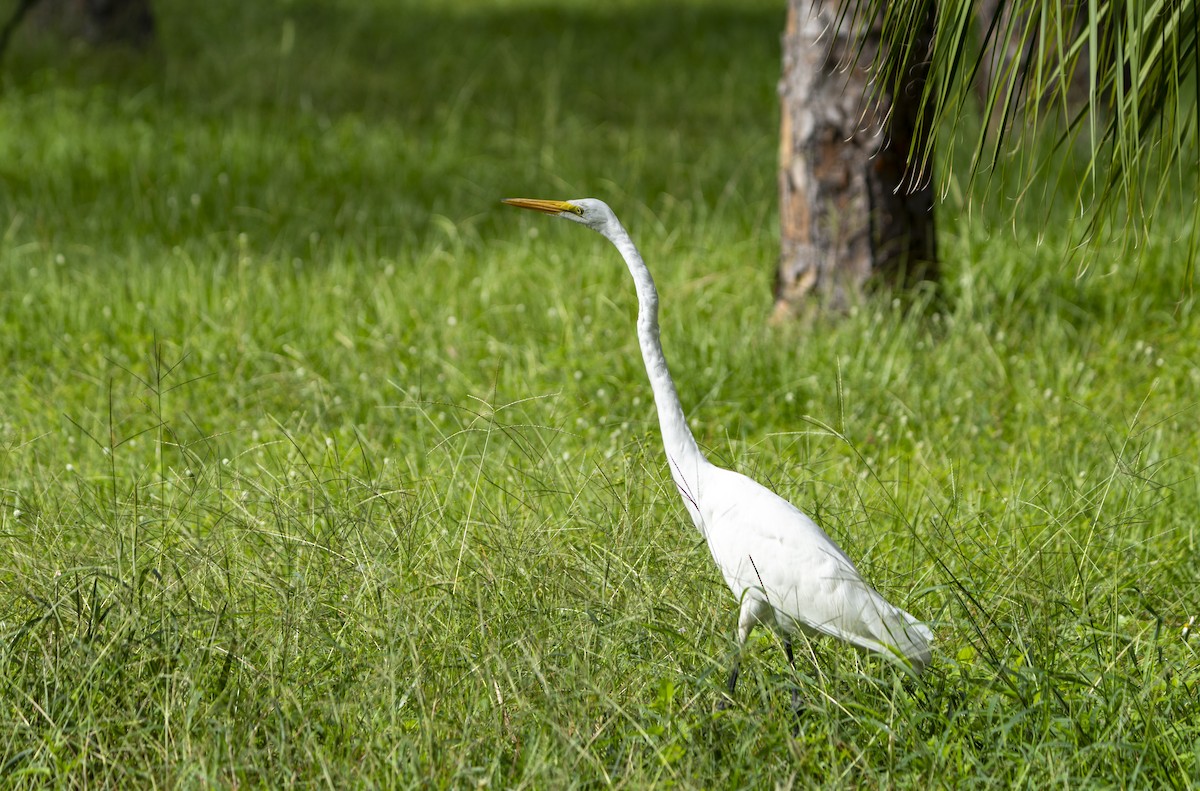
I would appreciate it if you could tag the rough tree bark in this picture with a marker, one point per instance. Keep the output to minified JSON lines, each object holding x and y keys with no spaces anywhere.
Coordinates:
{"x":851,"y":211}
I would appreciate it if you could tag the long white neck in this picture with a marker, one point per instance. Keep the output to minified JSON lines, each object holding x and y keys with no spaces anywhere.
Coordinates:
{"x":683,"y":455}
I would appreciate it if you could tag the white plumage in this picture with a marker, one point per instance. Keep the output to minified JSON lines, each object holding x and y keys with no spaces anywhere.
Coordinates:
{"x":786,"y":572}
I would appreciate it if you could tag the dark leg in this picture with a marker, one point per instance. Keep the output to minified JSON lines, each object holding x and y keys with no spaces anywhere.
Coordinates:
{"x":725,"y":702}
{"x":797,"y":701}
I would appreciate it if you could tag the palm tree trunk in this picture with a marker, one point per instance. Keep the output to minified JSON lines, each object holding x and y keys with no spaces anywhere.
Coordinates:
{"x":851,"y":209}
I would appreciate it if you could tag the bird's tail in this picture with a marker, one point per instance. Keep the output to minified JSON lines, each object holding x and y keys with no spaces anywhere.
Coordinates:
{"x":909,"y":641}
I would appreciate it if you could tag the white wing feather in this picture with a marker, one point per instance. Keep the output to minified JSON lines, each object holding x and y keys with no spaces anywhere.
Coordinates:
{"x":790,"y":575}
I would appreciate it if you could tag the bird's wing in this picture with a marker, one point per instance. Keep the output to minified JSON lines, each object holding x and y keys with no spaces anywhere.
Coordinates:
{"x":765,"y":546}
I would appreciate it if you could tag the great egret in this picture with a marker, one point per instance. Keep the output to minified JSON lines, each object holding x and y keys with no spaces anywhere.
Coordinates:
{"x":786,"y":572}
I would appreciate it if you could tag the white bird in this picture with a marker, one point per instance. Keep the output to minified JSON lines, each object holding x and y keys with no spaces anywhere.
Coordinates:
{"x":786,"y":572}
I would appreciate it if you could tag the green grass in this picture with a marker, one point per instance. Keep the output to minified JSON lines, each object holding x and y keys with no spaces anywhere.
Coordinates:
{"x":320,"y":468}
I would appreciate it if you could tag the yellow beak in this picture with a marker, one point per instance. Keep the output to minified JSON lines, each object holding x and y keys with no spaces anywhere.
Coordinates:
{"x":544,"y":206}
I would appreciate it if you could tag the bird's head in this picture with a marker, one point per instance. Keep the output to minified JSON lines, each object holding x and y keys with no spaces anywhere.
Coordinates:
{"x":593,"y":213}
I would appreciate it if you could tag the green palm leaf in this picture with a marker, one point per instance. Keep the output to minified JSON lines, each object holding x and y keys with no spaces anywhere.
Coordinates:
{"x":1118,"y":79}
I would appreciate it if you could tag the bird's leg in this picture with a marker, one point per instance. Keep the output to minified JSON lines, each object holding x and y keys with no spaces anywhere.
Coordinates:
{"x":745,"y":626}
{"x":797,"y":700}
{"x":727,"y":701}
{"x":733,"y":676}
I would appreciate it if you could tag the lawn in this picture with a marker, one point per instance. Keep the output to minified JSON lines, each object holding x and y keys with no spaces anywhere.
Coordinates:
{"x":321,"y":468}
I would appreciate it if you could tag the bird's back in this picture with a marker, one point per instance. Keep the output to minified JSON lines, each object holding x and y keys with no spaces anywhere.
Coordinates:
{"x":781,"y":564}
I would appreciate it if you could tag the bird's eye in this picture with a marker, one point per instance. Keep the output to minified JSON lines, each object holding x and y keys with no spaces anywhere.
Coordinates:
{"x":577,"y":210}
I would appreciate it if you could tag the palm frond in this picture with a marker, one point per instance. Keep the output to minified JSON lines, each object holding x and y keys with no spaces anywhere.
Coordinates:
{"x":1119,"y":79}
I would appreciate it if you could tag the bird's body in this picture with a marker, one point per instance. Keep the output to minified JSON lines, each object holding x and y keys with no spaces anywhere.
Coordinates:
{"x":785,"y":571}
{"x":790,"y":576}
